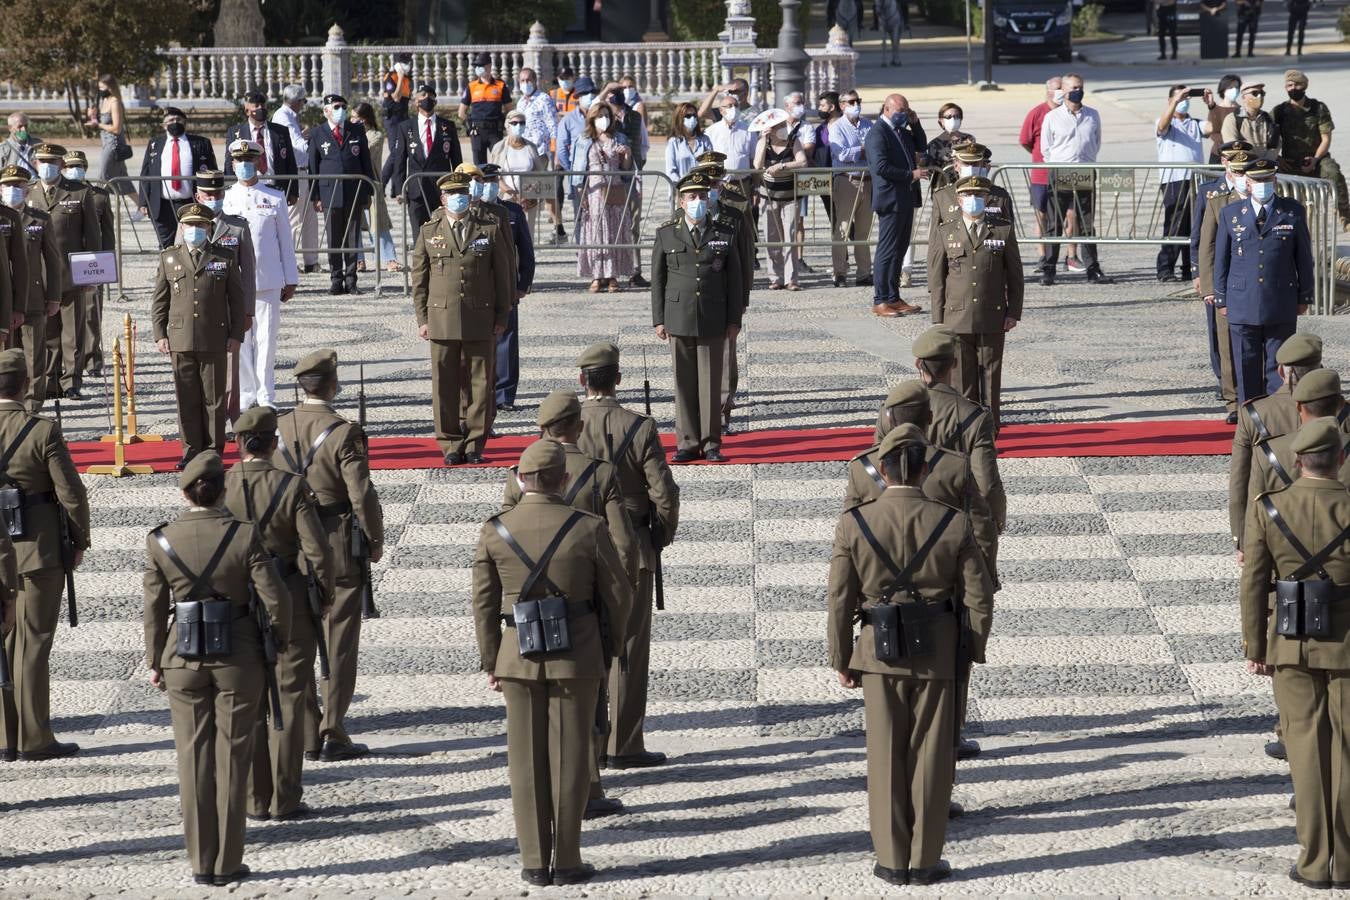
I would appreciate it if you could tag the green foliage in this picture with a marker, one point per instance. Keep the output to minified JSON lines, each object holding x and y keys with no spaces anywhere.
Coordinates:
{"x":701,"y":20}
{"x":1343,"y":22}
{"x":509,"y":23}
{"x":1088,"y":20}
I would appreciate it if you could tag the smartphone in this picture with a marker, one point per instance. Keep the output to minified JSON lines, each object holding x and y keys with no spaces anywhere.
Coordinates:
{"x":1196,"y":92}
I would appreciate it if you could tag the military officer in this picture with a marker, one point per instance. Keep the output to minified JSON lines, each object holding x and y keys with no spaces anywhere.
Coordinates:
{"x":14,"y":275}
{"x":339,"y":147}
{"x":550,"y":697}
{"x":213,"y":698}
{"x":919,"y":554}
{"x":200,"y":316}
{"x":975,"y":283}
{"x":331,"y":454}
{"x":75,"y":219}
{"x":422,"y":149}
{"x":76,"y":168}
{"x":284,"y":512}
{"x":41,"y":295}
{"x":1305,"y":128}
{"x":1317,"y":395}
{"x":522,"y":245}
{"x":970,"y":159}
{"x":1263,"y":277}
{"x":1306,"y":652}
{"x":958,"y":423}
{"x":698,"y":297}
{"x":36,"y":461}
{"x":463,"y":282}
{"x":652,"y":498}
{"x":736,"y":220}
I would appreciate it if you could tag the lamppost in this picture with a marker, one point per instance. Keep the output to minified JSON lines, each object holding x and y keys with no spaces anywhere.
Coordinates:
{"x":790,"y":59}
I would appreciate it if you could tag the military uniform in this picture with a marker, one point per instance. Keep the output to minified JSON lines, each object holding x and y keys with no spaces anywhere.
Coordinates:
{"x":911,"y":702}
{"x":1307,"y":670}
{"x":214,"y":702}
{"x":91,"y":337}
{"x":41,"y":294}
{"x":947,"y":206}
{"x":550,"y":698}
{"x":284,"y":511}
{"x":1273,"y":463}
{"x":731,"y":213}
{"x":464,"y":283}
{"x":41,"y":467}
{"x":975,"y":284}
{"x":1214,"y":196}
{"x":199,"y":306}
{"x":1301,"y":127}
{"x":632,"y":444}
{"x":14,"y":276}
{"x":330,"y":452}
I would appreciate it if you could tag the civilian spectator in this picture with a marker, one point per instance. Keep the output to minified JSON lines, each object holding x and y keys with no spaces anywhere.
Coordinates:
{"x":1223,"y":105}
{"x":778,"y":153}
{"x":686,"y":142}
{"x":571,"y":128}
{"x":171,"y":159}
{"x":850,"y":192}
{"x":304,"y":218}
{"x":1181,"y":139}
{"x":739,"y":90}
{"x":631,"y":125}
{"x":1253,"y":124}
{"x":278,"y":156}
{"x":939,"y":150}
{"x":382,"y":228}
{"x":111,"y":121}
{"x":1072,"y":134}
{"x":893,"y":162}
{"x":541,"y":129}
{"x":604,"y":200}
{"x":631,"y":98}
{"x":1030,"y":139}
{"x":516,"y":153}
{"x":17,"y":150}
{"x":801,"y":131}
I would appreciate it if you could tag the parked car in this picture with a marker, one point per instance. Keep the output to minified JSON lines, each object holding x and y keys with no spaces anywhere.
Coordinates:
{"x":1188,"y":16}
{"x":1033,"y":28}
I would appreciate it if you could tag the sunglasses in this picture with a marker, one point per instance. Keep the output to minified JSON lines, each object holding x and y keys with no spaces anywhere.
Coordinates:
{"x":1256,"y":93}
{"x":336,"y":106}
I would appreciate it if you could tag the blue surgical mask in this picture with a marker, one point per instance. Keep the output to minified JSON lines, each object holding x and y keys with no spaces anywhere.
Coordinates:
{"x":584,"y":101}
{"x":75,"y":173}
{"x":630,"y":95}
{"x":1184,"y":106}
{"x":1240,"y":184}
{"x":516,"y":129}
{"x":853,"y":112}
{"x":194,"y":235}
{"x":475,"y":190}
{"x":972,"y":205}
{"x":457,"y":203}
{"x":690,"y":123}
{"x":246,"y":170}
{"x":491,"y":190}
{"x":49,"y":171}
{"x":697,"y":209}
{"x":1232,"y":94}
{"x":527,"y":88}
{"x":12,"y":196}
{"x":565,"y":84}
{"x":1262,"y":191}
{"x":340,"y":115}
{"x":714,"y":195}
{"x":479,"y":70}
{"x":214,"y":204}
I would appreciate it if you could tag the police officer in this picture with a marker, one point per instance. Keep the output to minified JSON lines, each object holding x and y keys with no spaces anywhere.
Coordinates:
{"x":1248,"y":17}
{"x":75,"y":220}
{"x":283,"y":510}
{"x":464,"y":282}
{"x":199,"y":315}
{"x":339,"y":147}
{"x":551,"y":696}
{"x":36,"y":461}
{"x":1263,"y":277}
{"x":652,"y":498}
{"x":214,"y":698}
{"x":41,"y":296}
{"x":76,"y":168}
{"x":906,"y":549}
{"x":698,"y":297}
{"x":968,"y":158}
{"x":331,"y":454}
{"x":730,"y":218}
{"x":1284,"y":529}
{"x":423,"y":148}
{"x":975,"y":283}
{"x":522,"y":243}
{"x":482,"y":107}
{"x":1305,"y":139}
{"x":1318,"y":395}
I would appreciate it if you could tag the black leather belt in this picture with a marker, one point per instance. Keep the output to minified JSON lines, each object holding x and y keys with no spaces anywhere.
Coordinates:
{"x":41,"y":499}
{"x":946,"y":604}
{"x":576,"y":609}
{"x":332,"y":510}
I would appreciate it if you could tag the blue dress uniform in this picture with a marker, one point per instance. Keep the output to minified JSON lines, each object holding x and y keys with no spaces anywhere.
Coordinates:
{"x":508,"y":343}
{"x":341,"y":150}
{"x":1203,"y":193}
{"x":1262,"y":275}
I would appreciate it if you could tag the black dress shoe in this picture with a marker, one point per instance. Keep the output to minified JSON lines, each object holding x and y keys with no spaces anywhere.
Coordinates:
{"x":894,"y":876}
{"x":955,"y":810}
{"x":1275,"y":749}
{"x":638,"y":281}
{"x":932,"y":874}
{"x":204,"y":879}
{"x":580,"y":875}
{"x":864,"y":281}
{"x":454,"y":458}
{"x":96,"y":372}
{"x":1308,"y":883}
{"x":337,"y":290}
{"x":73,"y":394}
{"x":644,"y":760}
{"x":1167,"y":276}
{"x":1096,"y":276}
{"x":54,"y":750}
{"x":1048,"y":277}
{"x":536,"y":877}
{"x":1291,"y":802}
{"x":310,"y":269}
{"x":684,"y":456}
{"x":312,"y":755}
{"x":238,"y":874}
{"x":473,"y":459}
{"x":506,"y":407}
{"x":967,"y":749}
{"x":187,"y":458}
{"x":839,"y":281}
{"x":334,"y":752}
{"x":10,"y":754}
{"x":258,"y":817}
{"x":1231,"y":419}
{"x":601,"y":806}
{"x":302,"y":811}
{"x":714,"y":456}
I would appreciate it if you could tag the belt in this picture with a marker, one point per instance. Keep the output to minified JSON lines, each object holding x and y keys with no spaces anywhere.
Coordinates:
{"x":576,"y":609}
{"x":945,"y":604}
{"x":331,"y":510}
{"x":41,"y":499}
{"x":287,"y":568}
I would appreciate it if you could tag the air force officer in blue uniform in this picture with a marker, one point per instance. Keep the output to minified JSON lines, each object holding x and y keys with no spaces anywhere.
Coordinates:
{"x":1263,"y":278}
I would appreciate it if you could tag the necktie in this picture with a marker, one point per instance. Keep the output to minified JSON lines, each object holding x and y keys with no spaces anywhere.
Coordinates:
{"x":427,"y":138}
{"x":196,"y":256}
{"x":458,"y":229}
{"x":1261,"y":217}
{"x":337,"y":135}
{"x":262,"y":157}
{"x":175,"y":166}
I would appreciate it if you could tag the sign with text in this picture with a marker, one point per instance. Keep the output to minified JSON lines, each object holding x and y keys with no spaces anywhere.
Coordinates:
{"x":1072,"y":179}
{"x":93,"y":268}
{"x":1116,"y":181}
{"x":817,"y":185}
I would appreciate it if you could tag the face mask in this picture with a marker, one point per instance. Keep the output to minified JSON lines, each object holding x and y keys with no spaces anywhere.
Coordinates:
{"x":1184,"y":107}
{"x":899,"y":118}
{"x":1297,"y":94}
{"x":104,"y":93}
{"x":1255,"y":103}
{"x":490,"y":191}
{"x":340,"y":115}
{"x":12,"y":196}
{"x":585,"y":100}
{"x":1231,"y":94}
{"x":853,"y":112}
{"x":797,"y":111}
{"x":781,"y":132}
{"x":194,"y":235}
{"x":401,"y":68}
{"x":21,"y":135}
{"x":696,"y":210}
{"x":49,"y":171}
{"x":476,"y":190}
{"x":690,"y":123}
{"x":176,"y":129}
{"x":1076,"y":95}
{"x":714,"y":194}
{"x":1262,"y":191}
{"x":515,"y":129}
{"x":479,"y":70}
{"x":601,"y":124}
{"x":246,"y":170}
{"x":972,"y":205}
{"x":75,"y":173}
{"x":565,"y":84}
{"x":258,"y":115}
{"x":427,"y":104}
{"x":213,"y":203}
{"x":630,"y":95}
{"x":527,"y":88}
{"x":1240,"y":184}
{"x":456,"y":203}
{"x":951,"y":124}
{"x":729,"y":113}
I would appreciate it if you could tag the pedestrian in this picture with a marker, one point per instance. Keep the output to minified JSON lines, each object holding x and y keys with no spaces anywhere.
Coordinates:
{"x":632,"y":444}
{"x":17,"y":149}
{"x":895,"y":171}
{"x":738,"y":89}
{"x":110,"y":119}
{"x":171,"y":160}
{"x":1166,"y":11}
{"x":540,"y":120}
{"x":1248,"y":16}
{"x":605,"y":224}
{"x":44,"y":266}
{"x":938,"y":154}
{"x":38,"y":464}
{"x":1072,"y":133}
{"x":1222,"y":103}
{"x":482,"y":107}
{"x":338,"y":148}
{"x":730,"y":135}
{"x":1252,"y":124}
{"x":396,"y":91}
{"x":75,"y":168}
{"x":804,"y":133}
{"x":276,"y":275}
{"x":377,"y":219}
{"x":426,"y":147}
{"x":1305,"y":127}
{"x":571,"y":128}
{"x":304,"y":219}
{"x":686,"y":143}
{"x":522,"y":243}
{"x":331,"y":454}
{"x":730,"y":218}
{"x":851,"y":192}
{"x":551,"y":697}
{"x":1181,"y":139}
{"x":1042,"y":202}
{"x":697,"y":303}
{"x":206,"y":568}
{"x":1263,"y":277}
{"x":777,"y":155}
{"x":1298,"y":20}
{"x":904,"y":555}
{"x":278,"y":157}
{"x":515,"y":154}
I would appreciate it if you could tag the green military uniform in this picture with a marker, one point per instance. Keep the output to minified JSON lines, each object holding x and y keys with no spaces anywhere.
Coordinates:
{"x":75,"y":219}
{"x":947,"y":206}
{"x":910,"y":703}
{"x":91,"y":336}
{"x":1301,"y":127}
{"x":464,"y":284}
{"x":975,"y":283}
{"x":14,"y":276}
{"x":731,"y":212}
{"x":214,"y":702}
{"x":1214,"y":202}
{"x":41,"y":467}
{"x":42,"y":293}
{"x":1263,"y":418}
{"x":331,"y":454}
{"x":550,"y":698}
{"x":1308,"y":670}
{"x":1273,"y":462}
{"x":199,"y":307}
{"x":284,"y":511}
{"x":632,"y":444}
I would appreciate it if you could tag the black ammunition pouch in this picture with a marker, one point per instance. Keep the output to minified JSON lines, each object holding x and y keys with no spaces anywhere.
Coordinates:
{"x":204,"y":628}
{"x":11,"y":511}
{"x":1303,"y":608}
{"x":541,"y":624}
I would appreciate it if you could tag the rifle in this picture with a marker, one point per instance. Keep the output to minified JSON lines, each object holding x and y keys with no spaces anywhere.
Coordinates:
{"x":654,"y":523}
{"x":360,"y":543}
{"x":6,"y":679}
{"x":67,"y":548}
{"x":264,"y":621}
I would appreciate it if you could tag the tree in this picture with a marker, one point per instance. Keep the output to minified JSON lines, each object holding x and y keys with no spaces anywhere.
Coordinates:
{"x":67,"y":50}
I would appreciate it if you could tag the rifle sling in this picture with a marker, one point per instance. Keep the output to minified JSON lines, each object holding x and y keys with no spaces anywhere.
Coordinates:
{"x":870,"y":468}
{"x":313,"y":448}
{"x":199,"y":582}
{"x":14,"y":445}
{"x":537,"y":569}
{"x":580,"y":483}
{"x":902,"y":577}
{"x":1275,"y":465}
{"x":953,"y":442}
{"x":1312,"y":562}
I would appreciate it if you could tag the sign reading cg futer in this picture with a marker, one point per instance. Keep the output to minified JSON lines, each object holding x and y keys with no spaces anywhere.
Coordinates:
{"x":93,"y":268}
{"x":813,"y":185}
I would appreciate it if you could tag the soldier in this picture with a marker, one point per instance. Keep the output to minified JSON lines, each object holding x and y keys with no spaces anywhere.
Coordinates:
{"x":41,"y":297}
{"x":958,"y":423}
{"x":1263,"y":277}
{"x":44,"y":497}
{"x":632,"y":444}
{"x":75,"y":221}
{"x":231,"y":234}
{"x":698,"y":297}
{"x":731,"y":218}
{"x":551,"y":695}
{"x":203,"y":559}
{"x":1297,"y":539}
{"x":463,"y":282}
{"x":975,"y":282}
{"x":508,"y":344}
{"x":76,"y":168}
{"x":1217,"y":194}
{"x":1318,"y":395}
{"x":970,"y":159}
{"x":422,"y":149}
{"x":1305,"y":133}
{"x":904,"y":557}
{"x":331,"y":454}
{"x":200,"y":317}
{"x":284,"y":513}
{"x":14,"y":274}
{"x":338,"y":147}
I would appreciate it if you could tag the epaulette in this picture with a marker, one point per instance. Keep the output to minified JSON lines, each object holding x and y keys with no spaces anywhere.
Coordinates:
{"x":674,"y":221}
{"x":159,"y":526}
{"x":864,"y":503}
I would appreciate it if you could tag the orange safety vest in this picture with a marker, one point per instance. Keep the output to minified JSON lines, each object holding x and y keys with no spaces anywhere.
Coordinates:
{"x":486,"y":92}
{"x":565,"y":101}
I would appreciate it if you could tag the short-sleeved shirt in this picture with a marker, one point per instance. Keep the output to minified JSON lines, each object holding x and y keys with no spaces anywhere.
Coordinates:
{"x":736,"y":141}
{"x":1182,"y":142}
{"x":1301,"y":127}
{"x":486,"y":100}
{"x":1031,"y":134}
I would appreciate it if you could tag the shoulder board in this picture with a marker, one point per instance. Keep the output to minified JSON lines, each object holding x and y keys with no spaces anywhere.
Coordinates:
{"x":869,"y":451}
{"x":672,"y":222}
{"x":868,"y":502}
{"x":733,"y":195}
{"x":942,"y":504}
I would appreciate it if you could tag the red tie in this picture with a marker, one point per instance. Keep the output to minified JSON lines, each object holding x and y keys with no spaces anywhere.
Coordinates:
{"x":262,"y":158}
{"x":337,"y":136}
{"x":428,"y":138}
{"x":175,"y":167}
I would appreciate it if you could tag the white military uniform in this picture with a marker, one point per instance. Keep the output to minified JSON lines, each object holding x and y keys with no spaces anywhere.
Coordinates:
{"x":274,"y":250}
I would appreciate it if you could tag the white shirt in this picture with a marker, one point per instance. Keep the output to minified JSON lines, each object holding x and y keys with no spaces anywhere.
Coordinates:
{"x":269,"y":225}
{"x":1256,"y":207}
{"x":422,"y":120}
{"x":287,"y":116}
{"x":1068,"y":137}
{"x":185,"y":168}
{"x":735,"y":141}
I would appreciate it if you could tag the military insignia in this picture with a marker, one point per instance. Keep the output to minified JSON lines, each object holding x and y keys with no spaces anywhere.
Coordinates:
{"x":284,"y":151}
{"x":445,"y":148}
{"x":1238,"y":229}
{"x":216,"y":265}
{"x":356,"y":149}
{"x":229,"y":240}
{"x":994,"y":243}
{"x":178,"y":285}
{"x":34,"y":230}
{"x":479,"y":245}
{"x":718,"y":245}
{"x":1284,"y":227}
{"x":327,"y":144}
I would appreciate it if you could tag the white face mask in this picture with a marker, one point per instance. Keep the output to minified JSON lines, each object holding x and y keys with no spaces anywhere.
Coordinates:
{"x":516,"y":129}
{"x":1058,"y":98}
{"x":781,"y":132}
{"x":12,"y":196}
{"x":729,"y":113}
{"x":527,"y":88}
{"x":1231,"y":94}
{"x":479,"y":71}
{"x":853,"y":112}
{"x":630,"y":95}
{"x":601,"y":124}
{"x":401,"y":68}
{"x":951,"y":124}
{"x":796,"y":110}
{"x":1240,"y":184}
{"x":690,"y":123}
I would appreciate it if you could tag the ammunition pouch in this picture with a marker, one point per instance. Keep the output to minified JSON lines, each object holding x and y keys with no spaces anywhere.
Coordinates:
{"x":1303,"y":608}
{"x":11,"y":510}
{"x":204,"y":628}
{"x":903,"y":630}
{"x":541,"y":626}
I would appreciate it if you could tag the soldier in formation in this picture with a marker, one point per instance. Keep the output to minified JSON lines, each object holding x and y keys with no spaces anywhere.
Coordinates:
{"x":40,"y":298}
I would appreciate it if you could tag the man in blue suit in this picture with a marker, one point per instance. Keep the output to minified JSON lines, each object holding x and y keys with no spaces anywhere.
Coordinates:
{"x":1263,"y":277}
{"x":339,"y":147}
{"x":895,"y":174}
{"x":508,"y":342}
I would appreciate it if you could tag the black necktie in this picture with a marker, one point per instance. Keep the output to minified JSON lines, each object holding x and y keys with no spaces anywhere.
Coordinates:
{"x":1261,"y":217}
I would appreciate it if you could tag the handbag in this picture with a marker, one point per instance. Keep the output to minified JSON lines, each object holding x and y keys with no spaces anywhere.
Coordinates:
{"x":121,"y":149}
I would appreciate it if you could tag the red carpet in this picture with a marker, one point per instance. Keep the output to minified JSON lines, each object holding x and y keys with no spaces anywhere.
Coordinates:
{"x":1163,"y":438}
